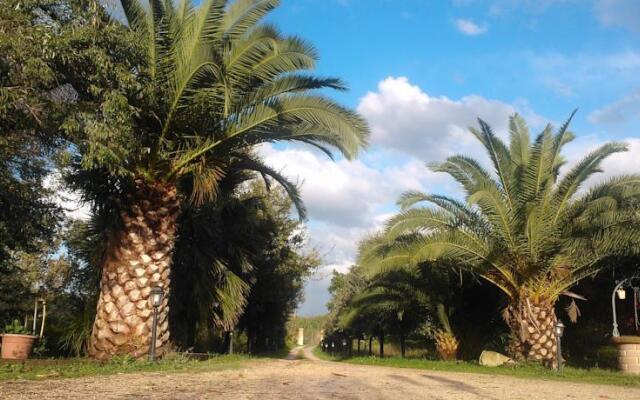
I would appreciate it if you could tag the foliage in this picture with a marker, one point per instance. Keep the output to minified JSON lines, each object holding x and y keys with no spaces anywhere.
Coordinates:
{"x":15,"y":327}
{"x":525,"y":227}
{"x":209,"y":84}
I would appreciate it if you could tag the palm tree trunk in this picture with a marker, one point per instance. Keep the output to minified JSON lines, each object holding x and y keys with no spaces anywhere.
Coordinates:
{"x":138,"y":258}
{"x":532,"y":336}
{"x":402,"y":343}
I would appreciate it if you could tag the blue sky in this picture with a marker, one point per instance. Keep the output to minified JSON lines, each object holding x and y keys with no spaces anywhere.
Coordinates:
{"x":421,"y":71}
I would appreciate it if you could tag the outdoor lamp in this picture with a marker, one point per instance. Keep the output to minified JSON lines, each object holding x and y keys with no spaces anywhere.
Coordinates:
{"x":231,"y":342}
{"x":156,"y":296}
{"x":622,"y":294}
{"x":156,"y":300}
{"x":559,"y":330}
{"x":344,"y":342}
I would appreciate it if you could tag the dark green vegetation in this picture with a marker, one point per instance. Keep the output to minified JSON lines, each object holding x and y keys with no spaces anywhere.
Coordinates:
{"x":525,"y":235}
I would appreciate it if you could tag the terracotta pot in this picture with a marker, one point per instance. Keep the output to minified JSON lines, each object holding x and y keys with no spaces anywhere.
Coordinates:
{"x":17,"y":347}
{"x":628,"y":353}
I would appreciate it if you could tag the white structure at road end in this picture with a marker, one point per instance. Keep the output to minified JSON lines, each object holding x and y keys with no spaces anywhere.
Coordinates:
{"x":300,"y":336}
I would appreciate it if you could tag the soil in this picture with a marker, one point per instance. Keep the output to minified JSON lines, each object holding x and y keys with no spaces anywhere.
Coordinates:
{"x":310,"y":379}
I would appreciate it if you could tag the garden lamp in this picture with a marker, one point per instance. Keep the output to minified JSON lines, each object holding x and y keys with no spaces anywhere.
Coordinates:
{"x":622,"y":294}
{"x":559,"y":330}
{"x":156,"y":299}
{"x":231,"y":342}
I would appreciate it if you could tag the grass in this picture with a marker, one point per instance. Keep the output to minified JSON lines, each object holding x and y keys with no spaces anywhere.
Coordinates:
{"x":78,"y":367}
{"x":526,"y":370}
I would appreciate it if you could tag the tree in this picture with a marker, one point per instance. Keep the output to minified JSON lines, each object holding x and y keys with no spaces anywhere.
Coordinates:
{"x":212,"y":84}
{"x":526,"y":227}
{"x":392,"y":302}
{"x":53,"y":63}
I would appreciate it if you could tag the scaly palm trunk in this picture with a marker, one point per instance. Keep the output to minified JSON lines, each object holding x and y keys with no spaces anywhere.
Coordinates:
{"x":532,"y":325}
{"x":138,"y":258}
{"x":446,"y":345}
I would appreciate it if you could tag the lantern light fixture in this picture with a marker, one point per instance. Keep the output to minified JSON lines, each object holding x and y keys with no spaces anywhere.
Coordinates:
{"x":156,"y":300}
{"x":622,"y":293}
{"x":156,"y":296}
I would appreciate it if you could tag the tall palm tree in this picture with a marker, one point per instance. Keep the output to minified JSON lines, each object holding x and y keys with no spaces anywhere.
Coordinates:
{"x":213,"y":84}
{"x":526,"y":227}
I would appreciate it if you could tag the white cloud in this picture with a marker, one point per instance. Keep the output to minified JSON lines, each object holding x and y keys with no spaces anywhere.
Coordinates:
{"x":344,"y":193}
{"x":406,"y":119}
{"x":469,"y":28}
{"x":627,"y":162}
{"x":622,"y":13}
{"x":621,"y":111}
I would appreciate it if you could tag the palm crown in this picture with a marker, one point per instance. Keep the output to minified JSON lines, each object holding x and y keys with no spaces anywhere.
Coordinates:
{"x":215,"y":84}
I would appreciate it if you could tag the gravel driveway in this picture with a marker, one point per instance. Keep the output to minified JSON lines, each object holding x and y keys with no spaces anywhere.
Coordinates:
{"x":309,"y":379}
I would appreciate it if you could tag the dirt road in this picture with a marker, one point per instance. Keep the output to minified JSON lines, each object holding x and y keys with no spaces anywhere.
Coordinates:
{"x":310,"y":379}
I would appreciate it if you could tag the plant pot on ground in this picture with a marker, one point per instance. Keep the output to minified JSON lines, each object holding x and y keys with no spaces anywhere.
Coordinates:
{"x":16,"y":342}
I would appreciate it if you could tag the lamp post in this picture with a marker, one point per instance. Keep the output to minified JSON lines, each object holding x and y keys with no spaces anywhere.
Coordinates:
{"x":333,"y":346}
{"x":231,"y":342}
{"x":559,"y":330}
{"x":156,"y":299}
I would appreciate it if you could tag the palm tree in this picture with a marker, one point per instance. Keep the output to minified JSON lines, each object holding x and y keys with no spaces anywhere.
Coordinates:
{"x":529,"y":229}
{"x":213,"y":84}
{"x":392,"y":301}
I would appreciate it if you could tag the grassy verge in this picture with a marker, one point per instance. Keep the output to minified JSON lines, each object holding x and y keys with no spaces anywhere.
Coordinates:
{"x":70,"y":368}
{"x":528,"y":371}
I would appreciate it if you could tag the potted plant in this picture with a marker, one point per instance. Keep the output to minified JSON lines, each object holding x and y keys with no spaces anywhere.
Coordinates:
{"x":16,"y":342}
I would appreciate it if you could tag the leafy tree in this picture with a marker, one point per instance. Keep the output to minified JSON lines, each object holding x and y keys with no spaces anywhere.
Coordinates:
{"x":52,"y":63}
{"x":212,"y":83}
{"x":525,"y":227}
{"x":281,"y":266}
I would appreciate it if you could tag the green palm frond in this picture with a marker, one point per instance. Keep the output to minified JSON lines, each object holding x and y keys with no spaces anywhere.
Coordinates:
{"x":529,"y":230}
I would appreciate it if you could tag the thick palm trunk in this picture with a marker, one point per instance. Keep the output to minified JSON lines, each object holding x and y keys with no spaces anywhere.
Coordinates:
{"x":532,"y":325}
{"x":446,"y":345}
{"x":138,"y":258}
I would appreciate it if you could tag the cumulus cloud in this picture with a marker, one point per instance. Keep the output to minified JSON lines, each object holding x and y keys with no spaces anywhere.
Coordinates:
{"x":344,"y":193}
{"x":621,"y":13}
{"x":621,"y":111}
{"x":617,"y":164}
{"x":469,"y":28}
{"x":405,"y":118}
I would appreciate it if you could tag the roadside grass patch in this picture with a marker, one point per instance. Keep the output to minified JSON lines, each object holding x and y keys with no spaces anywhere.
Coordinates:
{"x":39,"y":369}
{"x":523,"y":370}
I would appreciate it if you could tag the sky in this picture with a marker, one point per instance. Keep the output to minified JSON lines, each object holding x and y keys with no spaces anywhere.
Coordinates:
{"x":422,"y":71}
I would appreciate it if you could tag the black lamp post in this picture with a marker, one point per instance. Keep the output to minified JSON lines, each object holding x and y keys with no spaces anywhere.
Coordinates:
{"x":333,"y":347}
{"x":559,"y":330}
{"x":231,"y":342}
{"x":156,"y":300}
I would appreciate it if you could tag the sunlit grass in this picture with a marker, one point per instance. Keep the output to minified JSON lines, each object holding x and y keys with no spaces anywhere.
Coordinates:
{"x":78,"y":367}
{"x":523,"y":370}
